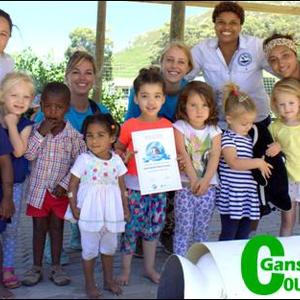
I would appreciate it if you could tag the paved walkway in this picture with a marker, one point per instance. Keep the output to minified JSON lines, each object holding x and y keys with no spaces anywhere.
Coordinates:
{"x":139,"y":286}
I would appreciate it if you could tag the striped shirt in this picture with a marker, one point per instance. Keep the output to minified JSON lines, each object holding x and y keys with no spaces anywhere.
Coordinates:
{"x":51,"y":160}
{"x":238,"y":196}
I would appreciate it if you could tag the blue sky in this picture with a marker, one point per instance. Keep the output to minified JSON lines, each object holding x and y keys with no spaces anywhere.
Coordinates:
{"x":45,"y":25}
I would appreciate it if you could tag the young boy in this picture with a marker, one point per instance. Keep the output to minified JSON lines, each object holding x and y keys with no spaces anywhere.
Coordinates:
{"x":6,"y":194}
{"x":53,"y":147}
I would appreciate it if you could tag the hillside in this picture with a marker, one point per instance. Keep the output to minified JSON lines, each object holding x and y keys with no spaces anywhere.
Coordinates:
{"x":147,"y":47}
{"x":127,"y":62}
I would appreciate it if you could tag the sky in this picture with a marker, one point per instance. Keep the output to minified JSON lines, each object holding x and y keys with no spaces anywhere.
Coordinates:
{"x":45,"y":25}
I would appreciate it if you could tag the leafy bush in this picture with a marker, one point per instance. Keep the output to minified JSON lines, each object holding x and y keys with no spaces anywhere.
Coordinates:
{"x":113,"y":99}
{"x":42,"y":71}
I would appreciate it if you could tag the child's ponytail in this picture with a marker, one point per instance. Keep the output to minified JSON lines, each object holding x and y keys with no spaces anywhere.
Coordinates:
{"x":236,"y":101}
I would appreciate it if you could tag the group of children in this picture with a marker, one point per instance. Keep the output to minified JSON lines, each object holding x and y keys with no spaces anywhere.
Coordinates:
{"x":86,"y":172}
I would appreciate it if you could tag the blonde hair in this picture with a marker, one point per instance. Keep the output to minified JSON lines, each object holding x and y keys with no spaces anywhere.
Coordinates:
{"x":237,"y":102}
{"x":11,"y":80}
{"x":181,"y":46}
{"x":14,"y":78}
{"x":287,"y":85}
{"x":76,"y":58}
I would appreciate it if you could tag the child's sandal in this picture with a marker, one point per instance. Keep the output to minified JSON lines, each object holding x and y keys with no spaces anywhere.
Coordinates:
{"x":12,"y":281}
{"x":59,"y":277}
{"x":33,"y":276}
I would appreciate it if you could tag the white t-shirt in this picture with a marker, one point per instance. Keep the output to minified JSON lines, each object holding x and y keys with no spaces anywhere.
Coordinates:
{"x":6,"y":65}
{"x":198,"y":143}
{"x":245,"y":70}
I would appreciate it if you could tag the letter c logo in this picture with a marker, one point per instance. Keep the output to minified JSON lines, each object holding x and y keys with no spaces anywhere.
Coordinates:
{"x":249,"y":265}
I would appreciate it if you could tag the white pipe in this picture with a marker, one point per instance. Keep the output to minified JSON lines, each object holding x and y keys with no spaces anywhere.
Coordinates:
{"x":213,"y":270}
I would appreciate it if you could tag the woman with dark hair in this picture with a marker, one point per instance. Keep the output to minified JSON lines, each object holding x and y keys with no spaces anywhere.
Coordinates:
{"x":281,"y":53}
{"x":6,"y":62}
{"x":232,"y":57}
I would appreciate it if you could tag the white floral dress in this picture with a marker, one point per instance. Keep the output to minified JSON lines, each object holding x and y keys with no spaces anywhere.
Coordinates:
{"x":99,"y":196}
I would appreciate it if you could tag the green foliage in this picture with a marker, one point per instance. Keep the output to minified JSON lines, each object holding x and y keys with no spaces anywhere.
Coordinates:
{"x":113,"y":99}
{"x":84,"y":38}
{"x":42,"y":71}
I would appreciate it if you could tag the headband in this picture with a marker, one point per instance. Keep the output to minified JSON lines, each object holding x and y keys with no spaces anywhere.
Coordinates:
{"x":279,"y":42}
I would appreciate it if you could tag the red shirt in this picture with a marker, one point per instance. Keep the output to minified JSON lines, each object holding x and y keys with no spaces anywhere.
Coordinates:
{"x":133,"y":125}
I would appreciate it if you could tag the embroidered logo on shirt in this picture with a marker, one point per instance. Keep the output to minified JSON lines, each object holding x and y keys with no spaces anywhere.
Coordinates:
{"x":245,"y":59}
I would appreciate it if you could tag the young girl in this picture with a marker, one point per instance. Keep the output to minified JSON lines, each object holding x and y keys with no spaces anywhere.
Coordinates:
{"x":98,"y":199}
{"x":238,"y":200}
{"x":285,"y":131}
{"x":16,"y":95}
{"x":6,"y":62}
{"x":198,"y":140}
{"x":147,"y":212}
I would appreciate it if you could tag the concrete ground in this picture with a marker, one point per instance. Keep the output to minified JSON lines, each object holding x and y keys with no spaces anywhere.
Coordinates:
{"x":139,"y":286}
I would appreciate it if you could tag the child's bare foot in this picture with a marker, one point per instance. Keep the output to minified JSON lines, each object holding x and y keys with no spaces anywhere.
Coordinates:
{"x":114,"y":287}
{"x":153,"y":276}
{"x":5,"y":293}
{"x":92,"y":292}
{"x":123,"y":279}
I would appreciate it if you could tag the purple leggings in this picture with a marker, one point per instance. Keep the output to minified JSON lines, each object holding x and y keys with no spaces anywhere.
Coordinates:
{"x":192,"y":217}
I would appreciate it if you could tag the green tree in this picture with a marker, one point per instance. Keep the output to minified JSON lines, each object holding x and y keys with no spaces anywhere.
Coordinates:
{"x":113,"y":99}
{"x":84,"y":38}
{"x":42,"y":71}
{"x":45,"y":70}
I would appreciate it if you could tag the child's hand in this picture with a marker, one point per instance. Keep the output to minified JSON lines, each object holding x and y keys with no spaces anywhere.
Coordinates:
{"x":47,"y":126}
{"x":202,"y":187}
{"x":181,"y":162}
{"x":265,"y":168}
{"x":199,"y":187}
{"x":11,"y":120}
{"x":59,"y":191}
{"x":127,"y":155}
{"x":126,"y":214}
{"x":7,"y":208}
{"x":273,"y":149}
{"x":75,"y":212}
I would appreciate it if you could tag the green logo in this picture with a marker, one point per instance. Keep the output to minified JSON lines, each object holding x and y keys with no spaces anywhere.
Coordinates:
{"x":275,"y":264}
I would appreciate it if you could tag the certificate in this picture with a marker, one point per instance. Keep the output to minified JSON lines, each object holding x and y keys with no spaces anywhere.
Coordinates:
{"x":156,"y":160}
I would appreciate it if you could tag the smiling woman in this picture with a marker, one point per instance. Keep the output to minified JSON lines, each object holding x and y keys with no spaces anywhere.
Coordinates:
{"x":176,"y":61}
{"x":232,"y":57}
{"x":281,"y":52}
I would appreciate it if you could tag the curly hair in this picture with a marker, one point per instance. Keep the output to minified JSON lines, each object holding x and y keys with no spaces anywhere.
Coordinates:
{"x":229,"y":6}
